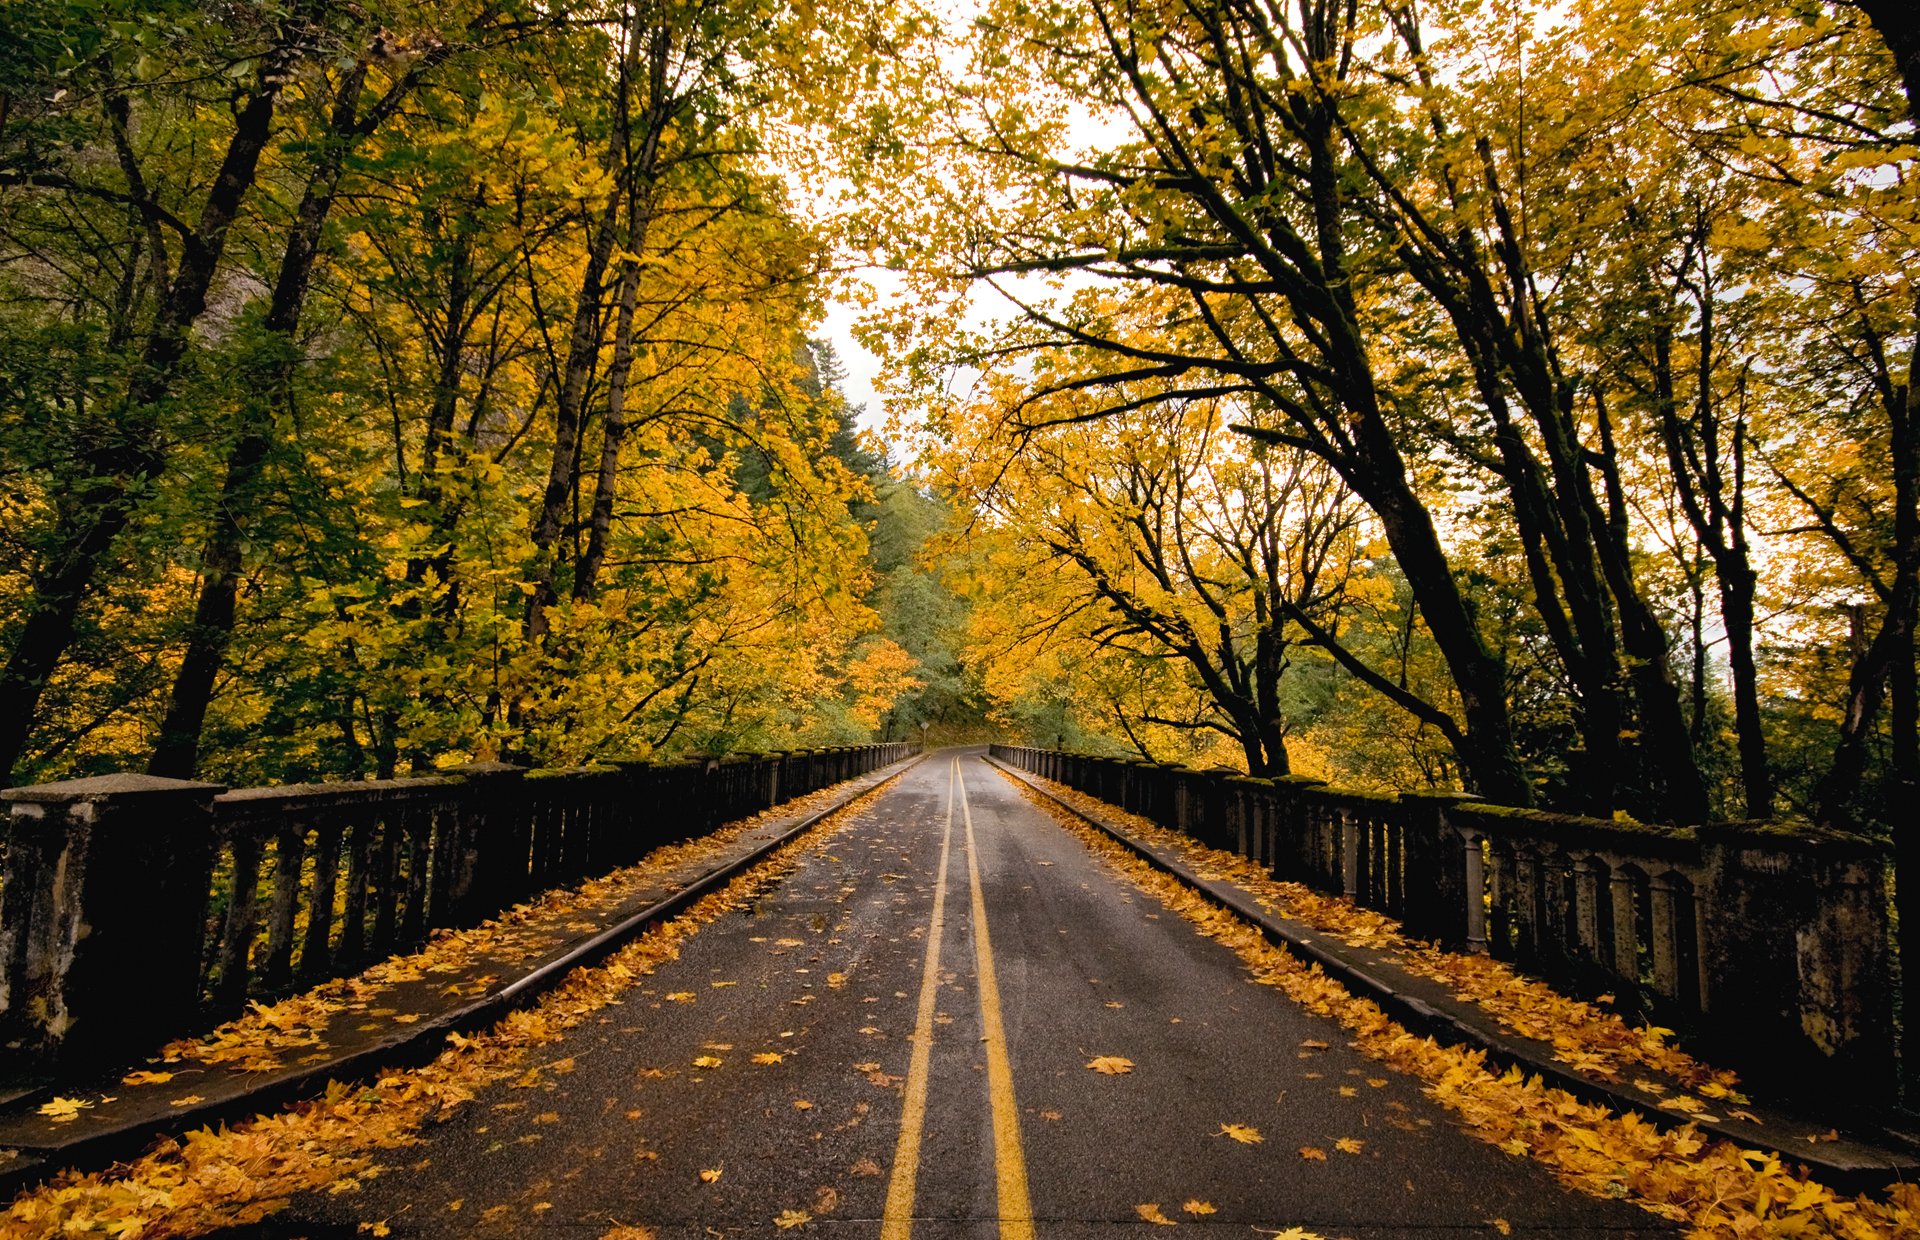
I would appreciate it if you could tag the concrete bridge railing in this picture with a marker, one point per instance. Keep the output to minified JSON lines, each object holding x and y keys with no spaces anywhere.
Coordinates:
{"x":135,"y":909}
{"x":1767,"y":944}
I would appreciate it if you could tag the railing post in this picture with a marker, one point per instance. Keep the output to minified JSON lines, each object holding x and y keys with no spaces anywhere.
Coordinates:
{"x":1440,"y":893}
{"x":103,"y":915}
{"x":493,"y":859}
{"x":1796,"y":958}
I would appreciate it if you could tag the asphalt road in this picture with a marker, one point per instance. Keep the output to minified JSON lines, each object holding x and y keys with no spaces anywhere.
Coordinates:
{"x":952,"y":907}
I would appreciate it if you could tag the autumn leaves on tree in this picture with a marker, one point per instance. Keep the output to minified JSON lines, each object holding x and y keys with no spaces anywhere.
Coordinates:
{"x":411,"y":382}
{"x":1594,"y":323}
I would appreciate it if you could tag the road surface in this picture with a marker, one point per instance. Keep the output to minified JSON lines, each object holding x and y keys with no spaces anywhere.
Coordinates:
{"x":894,"y":1042}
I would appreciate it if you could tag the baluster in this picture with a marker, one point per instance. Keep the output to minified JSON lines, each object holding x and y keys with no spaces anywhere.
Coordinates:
{"x":385,"y":875}
{"x":1626,"y":925}
{"x":289,"y":847}
{"x":416,"y":824}
{"x":1475,"y":847}
{"x":316,"y":948}
{"x":1526,"y":906}
{"x":1349,"y":845}
{"x":1591,"y":907}
{"x":443,"y":869}
{"x":243,"y":908}
{"x":1395,"y":868}
{"x":1500,"y":928}
{"x":1675,"y":958}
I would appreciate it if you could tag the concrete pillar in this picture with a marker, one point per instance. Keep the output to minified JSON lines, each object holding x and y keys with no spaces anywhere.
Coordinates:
{"x":103,"y":915}
{"x":494,"y":855}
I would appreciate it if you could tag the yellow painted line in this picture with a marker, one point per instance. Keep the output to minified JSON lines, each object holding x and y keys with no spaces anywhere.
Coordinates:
{"x":1009,"y":1160}
{"x":896,"y":1220}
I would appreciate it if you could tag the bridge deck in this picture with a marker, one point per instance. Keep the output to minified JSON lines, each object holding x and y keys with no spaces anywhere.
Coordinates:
{"x":798,"y":1049}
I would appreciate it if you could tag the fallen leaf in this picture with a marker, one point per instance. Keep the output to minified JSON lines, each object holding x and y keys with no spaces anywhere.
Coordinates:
{"x":786,"y":1220}
{"x":1110,"y":1065}
{"x":377,"y":1229}
{"x":1502,"y":1226}
{"x":1150,"y":1211}
{"x":628,"y":1233}
{"x":680,"y":996}
{"x":865,"y":1166}
{"x":769,"y":1057}
{"x":187,"y":1101}
{"x":706,"y":1061}
{"x":1349,"y":1145}
{"x":710,"y":1176}
{"x":1198,"y":1207}
{"x":1378,"y":1082}
{"x":826,"y":1199}
{"x":1313,"y":1153}
{"x":63,"y":1110}
{"x":146,"y":1078}
{"x":1050,"y":1115}
{"x":541,"y":1207}
{"x":801,"y":1104}
{"x":1245,"y":1134}
{"x":1314,"y":1044}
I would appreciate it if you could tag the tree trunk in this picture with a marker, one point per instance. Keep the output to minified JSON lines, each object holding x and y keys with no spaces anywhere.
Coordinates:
{"x":177,"y":752}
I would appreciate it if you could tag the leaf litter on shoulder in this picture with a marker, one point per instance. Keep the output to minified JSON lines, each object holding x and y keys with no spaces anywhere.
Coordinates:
{"x":236,"y":1176}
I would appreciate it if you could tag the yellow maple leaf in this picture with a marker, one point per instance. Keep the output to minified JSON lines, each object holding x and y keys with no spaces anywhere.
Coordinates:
{"x":1150,"y":1211}
{"x":706,"y":1061}
{"x":146,"y":1078}
{"x":623,"y":1232}
{"x":63,"y":1110}
{"x":1110,"y":1065}
{"x":786,"y":1220}
{"x":1245,"y":1134}
{"x":710,"y":1176}
{"x":1313,"y":1153}
{"x":1349,"y":1145}
{"x":680,"y":996}
{"x":1197,"y":1206}
{"x":767,"y":1057}
{"x":801,"y":1104}
{"x":187,"y":1101}
{"x":377,"y":1229}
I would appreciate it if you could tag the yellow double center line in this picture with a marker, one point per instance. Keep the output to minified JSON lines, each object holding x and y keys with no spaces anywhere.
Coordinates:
{"x":1010,"y":1164}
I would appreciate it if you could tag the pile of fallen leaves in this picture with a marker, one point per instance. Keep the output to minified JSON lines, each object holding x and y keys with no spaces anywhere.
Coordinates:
{"x":1715,"y":1189}
{"x":240,"y":1175}
{"x":1585,"y":1036}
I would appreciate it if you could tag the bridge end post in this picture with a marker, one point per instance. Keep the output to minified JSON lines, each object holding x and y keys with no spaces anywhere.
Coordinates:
{"x":1442,"y":885}
{"x":102,"y":915}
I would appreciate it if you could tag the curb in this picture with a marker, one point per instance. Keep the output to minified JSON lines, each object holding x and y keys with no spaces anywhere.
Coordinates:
{"x":1880,"y":1169}
{"x":419,"y":1042}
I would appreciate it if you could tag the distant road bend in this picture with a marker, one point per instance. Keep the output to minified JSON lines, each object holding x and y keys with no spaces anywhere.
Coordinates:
{"x":899,"y":1038}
